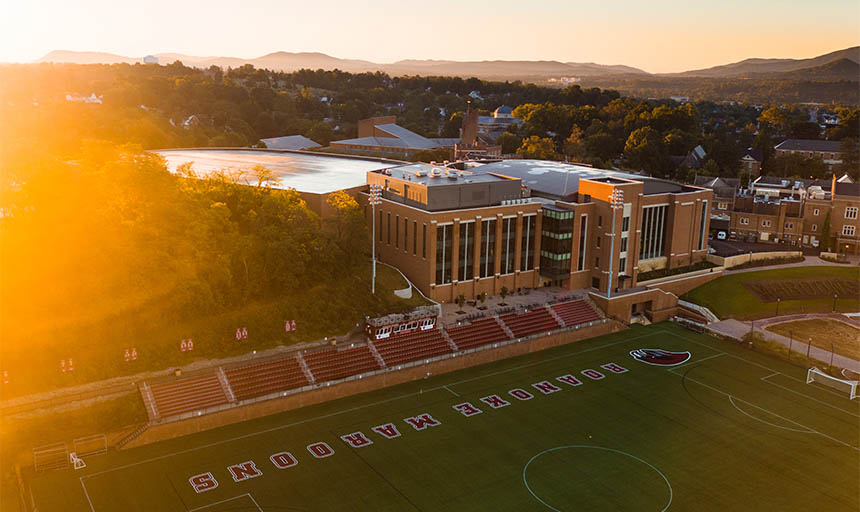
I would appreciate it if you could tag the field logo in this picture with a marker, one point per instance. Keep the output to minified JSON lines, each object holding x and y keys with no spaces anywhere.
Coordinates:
{"x":659,"y":357}
{"x":244,"y":471}
{"x":203,"y":482}
{"x":422,"y":421}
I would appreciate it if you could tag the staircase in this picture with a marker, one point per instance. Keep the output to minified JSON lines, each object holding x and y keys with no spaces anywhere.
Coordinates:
{"x":305,"y":368}
{"x":131,"y":437}
{"x":451,"y":343}
{"x":504,"y":327}
{"x":148,"y":401}
{"x":376,"y":354}
{"x":225,"y":385}
{"x":555,"y":316}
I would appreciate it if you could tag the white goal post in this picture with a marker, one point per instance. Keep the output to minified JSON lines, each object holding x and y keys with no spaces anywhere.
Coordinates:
{"x":845,"y":385}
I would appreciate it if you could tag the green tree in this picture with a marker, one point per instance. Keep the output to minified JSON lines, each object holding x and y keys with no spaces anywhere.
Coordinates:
{"x":538,"y":148}
{"x":574,"y":144}
{"x":825,"y":234}
{"x":509,"y":142}
{"x":645,"y":150}
{"x":850,"y":157}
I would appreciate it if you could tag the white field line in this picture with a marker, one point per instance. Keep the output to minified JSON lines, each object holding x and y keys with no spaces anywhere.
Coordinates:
{"x":228,"y":499}
{"x":754,"y":364}
{"x":732,"y":400}
{"x":697,"y":361}
{"x":359,"y":407}
{"x":812,"y":430}
{"x":813,"y":399}
{"x":452,"y":391}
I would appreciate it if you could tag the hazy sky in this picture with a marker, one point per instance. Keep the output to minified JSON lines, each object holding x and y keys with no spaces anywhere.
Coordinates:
{"x":655,"y":35}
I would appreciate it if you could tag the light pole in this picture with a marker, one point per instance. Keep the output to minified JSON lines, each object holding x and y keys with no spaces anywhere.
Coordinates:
{"x":777,"y":306}
{"x":375,"y":198}
{"x":616,"y":202}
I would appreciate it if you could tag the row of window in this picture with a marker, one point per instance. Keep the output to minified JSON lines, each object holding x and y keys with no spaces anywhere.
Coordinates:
{"x":387,"y":234}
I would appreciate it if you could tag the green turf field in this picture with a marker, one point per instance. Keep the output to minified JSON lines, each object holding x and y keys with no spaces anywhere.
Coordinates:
{"x":727,"y":430}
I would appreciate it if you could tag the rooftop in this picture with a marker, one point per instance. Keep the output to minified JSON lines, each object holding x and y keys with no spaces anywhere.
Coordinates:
{"x":294,"y":142}
{"x":831,"y":146}
{"x":306,"y":172}
{"x":435,"y":176}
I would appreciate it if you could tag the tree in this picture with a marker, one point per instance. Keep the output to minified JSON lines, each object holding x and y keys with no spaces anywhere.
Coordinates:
{"x":850,"y":157}
{"x":461,"y":300}
{"x":538,"y":148}
{"x":509,"y":142}
{"x":825,"y":234}
{"x":574,"y":144}
{"x":504,"y":293}
{"x":797,"y":165}
{"x":645,"y":150}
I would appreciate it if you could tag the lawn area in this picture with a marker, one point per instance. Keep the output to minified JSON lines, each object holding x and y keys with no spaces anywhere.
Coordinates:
{"x":728,"y":297}
{"x":584,"y":426}
{"x":331,"y":309}
{"x":825,"y":333}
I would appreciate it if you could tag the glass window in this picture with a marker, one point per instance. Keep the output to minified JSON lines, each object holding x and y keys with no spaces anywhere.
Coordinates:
{"x":488,"y":247}
{"x":509,"y":244}
{"x":443,"y":253}
{"x":389,"y":229}
{"x":467,"y":249}
{"x":527,"y":249}
{"x":397,"y":231}
{"x":424,"y":241}
{"x":414,"y":237}
{"x":583,"y":232}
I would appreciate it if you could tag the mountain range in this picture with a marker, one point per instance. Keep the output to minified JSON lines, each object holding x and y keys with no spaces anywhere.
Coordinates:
{"x":842,"y":64}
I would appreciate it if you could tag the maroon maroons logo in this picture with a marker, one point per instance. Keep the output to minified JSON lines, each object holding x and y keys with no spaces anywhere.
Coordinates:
{"x":659,"y":357}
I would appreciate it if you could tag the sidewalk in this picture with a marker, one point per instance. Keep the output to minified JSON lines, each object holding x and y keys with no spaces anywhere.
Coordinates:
{"x":810,"y":261}
{"x":737,"y":329}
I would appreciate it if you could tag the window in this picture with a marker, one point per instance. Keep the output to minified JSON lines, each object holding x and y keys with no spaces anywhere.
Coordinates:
{"x":622,"y":265}
{"x":599,"y":221}
{"x":765,"y":223}
{"x":653,"y":229}
{"x":443,"y":253}
{"x":415,"y":238}
{"x":815,"y":227}
{"x":527,"y":250}
{"x":488,"y":248}
{"x":389,"y":229}
{"x":397,"y":231}
{"x":722,"y":206}
{"x":816,"y":211}
{"x":848,"y":230}
{"x":851,"y":212}
{"x":379,"y":228}
{"x":583,"y":232}
{"x":702,"y":224}
{"x":509,"y":244}
{"x":624,"y":244}
{"x":467,"y":249}
{"x":598,"y":242}
{"x":596,"y":261}
{"x":625,"y":223}
{"x":595,"y":282}
{"x":424,"y":241}
{"x":745,"y":221}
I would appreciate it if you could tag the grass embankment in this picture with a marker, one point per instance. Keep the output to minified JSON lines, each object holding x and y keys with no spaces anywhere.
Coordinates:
{"x":331,"y":309}
{"x":826,"y":333}
{"x":727,"y":297}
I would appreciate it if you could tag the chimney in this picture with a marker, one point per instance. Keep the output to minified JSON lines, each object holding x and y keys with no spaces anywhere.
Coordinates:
{"x":833,"y":186}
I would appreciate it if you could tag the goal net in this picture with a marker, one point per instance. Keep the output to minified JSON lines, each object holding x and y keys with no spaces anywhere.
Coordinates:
{"x":844,"y":385}
{"x":55,"y":456}
{"x":90,"y":445}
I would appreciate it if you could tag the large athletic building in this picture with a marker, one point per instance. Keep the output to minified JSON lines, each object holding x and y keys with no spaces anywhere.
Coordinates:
{"x":524,"y":223}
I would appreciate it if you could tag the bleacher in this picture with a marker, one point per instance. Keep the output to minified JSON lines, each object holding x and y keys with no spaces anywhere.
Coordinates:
{"x":479,"y":332}
{"x":188,"y":394}
{"x":575,"y":312}
{"x":532,"y":322}
{"x":267,"y":377}
{"x":403,"y":348}
{"x":331,"y":364}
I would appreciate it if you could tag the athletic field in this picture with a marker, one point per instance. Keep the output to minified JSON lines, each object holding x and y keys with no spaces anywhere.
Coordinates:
{"x":722,"y":429}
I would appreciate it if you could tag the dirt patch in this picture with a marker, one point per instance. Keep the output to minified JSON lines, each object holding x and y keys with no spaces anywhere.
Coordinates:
{"x":799,"y":289}
{"x":825,"y":333}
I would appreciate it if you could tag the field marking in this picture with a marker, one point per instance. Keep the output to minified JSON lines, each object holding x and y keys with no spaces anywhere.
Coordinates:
{"x":356,"y":408}
{"x":772,"y":413}
{"x":81,"y":479}
{"x":549,"y":450}
{"x":732,"y":400}
{"x":698,"y":361}
{"x":452,"y":391}
{"x":810,"y":398}
{"x":248,"y":494}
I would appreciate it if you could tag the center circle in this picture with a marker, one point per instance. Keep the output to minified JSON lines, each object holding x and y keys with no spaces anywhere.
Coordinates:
{"x":584,"y":477}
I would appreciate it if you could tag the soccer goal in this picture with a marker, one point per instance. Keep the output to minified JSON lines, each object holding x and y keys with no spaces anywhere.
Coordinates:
{"x":54,"y":456}
{"x":844,"y":385}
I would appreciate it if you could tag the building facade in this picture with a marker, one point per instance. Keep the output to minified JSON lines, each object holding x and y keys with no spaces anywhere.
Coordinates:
{"x":828,"y":151}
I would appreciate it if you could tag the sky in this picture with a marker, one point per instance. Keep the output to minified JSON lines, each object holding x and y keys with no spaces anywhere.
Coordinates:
{"x":655,"y":35}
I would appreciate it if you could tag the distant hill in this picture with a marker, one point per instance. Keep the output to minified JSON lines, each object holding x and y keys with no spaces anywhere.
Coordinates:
{"x":760,"y":66}
{"x":87,"y":58}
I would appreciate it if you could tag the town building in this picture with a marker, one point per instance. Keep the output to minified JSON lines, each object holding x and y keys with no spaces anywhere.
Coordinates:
{"x":383,"y":136}
{"x":751,"y":162}
{"x":518,"y":224}
{"x":828,"y":151}
{"x":291,"y":142}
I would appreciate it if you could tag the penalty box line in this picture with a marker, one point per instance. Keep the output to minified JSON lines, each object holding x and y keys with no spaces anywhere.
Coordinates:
{"x":248,"y":494}
{"x":351,"y":409}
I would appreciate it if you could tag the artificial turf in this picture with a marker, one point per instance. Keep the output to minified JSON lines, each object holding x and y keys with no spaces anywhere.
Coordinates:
{"x":729,"y":429}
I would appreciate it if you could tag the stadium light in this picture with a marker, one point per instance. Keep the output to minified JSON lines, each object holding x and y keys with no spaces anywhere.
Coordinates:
{"x":375,"y":199}
{"x":616,"y":202}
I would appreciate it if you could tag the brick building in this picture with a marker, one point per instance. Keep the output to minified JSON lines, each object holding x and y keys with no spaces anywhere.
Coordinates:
{"x":828,"y":151}
{"x":523,"y":224}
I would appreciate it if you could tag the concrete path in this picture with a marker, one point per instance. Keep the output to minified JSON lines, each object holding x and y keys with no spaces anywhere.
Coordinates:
{"x":810,"y":261}
{"x":737,"y":329}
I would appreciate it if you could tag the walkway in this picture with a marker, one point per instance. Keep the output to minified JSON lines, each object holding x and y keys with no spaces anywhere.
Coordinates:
{"x":737,"y":329}
{"x":810,"y":261}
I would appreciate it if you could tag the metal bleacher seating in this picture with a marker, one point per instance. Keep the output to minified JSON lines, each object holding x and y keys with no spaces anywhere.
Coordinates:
{"x":265,"y":377}
{"x":575,"y":312}
{"x":332,"y":364}
{"x":479,"y":332}
{"x":188,"y":394}
{"x":532,"y":322}
{"x":403,"y":348}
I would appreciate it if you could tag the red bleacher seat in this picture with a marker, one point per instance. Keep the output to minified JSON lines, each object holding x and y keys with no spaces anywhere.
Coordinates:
{"x":188,"y":394}
{"x":267,"y":377}
{"x":575,"y":312}
{"x":331,"y":364}
{"x":532,"y":322}
{"x":479,"y":332}
{"x":416,"y":345}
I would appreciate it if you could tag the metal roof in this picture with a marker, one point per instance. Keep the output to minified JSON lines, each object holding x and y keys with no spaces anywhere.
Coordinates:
{"x":306,"y":172}
{"x":294,"y":142}
{"x":830,"y":146}
{"x":412,"y":139}
{"x":444,"y":176}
